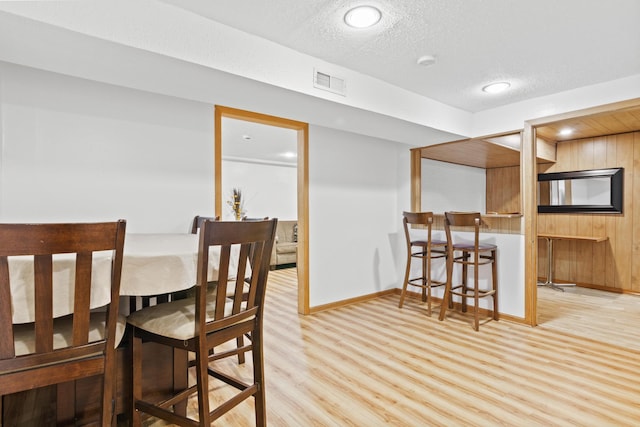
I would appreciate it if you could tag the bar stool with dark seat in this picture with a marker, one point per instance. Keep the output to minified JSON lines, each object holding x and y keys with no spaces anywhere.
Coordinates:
{"x":425,"y":249}
{"x":474,"y":254}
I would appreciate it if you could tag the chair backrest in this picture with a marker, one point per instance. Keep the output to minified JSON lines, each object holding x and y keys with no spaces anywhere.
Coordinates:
{"x":84,"y":355}
{"x":237,"y":299}
{"x":463,"y":219}
{"x":198,"y":220}
{"x":417,"y":218}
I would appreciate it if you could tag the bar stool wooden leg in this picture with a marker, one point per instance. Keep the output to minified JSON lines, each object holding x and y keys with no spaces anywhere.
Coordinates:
{"x":476,"y":294}
{"x":494,"y":275}
{"x":425,"y":280}
{"x":405,"y":282}
{"x":465,"y":279}
{"x":426,"y":270}
{"x":447,"y":297}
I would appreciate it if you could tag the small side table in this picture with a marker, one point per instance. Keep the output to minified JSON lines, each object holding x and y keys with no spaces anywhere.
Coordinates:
{"x":550,"y":239}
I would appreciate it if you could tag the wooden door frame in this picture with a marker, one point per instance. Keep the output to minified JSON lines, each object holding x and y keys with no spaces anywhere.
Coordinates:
{"x":530,"y":204}
{"x":302,"y":183}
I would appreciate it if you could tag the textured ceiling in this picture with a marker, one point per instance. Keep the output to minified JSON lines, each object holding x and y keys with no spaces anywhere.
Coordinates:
{"x":540,"y":46}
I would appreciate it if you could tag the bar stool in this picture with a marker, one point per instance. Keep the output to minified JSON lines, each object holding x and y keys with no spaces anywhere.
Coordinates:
{"x":475,"y":254}
{"x":425,"y":250}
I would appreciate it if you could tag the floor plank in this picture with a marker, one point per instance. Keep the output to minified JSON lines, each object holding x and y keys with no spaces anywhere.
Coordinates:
{"x":372,"y":364}
{"x":608,"y":317}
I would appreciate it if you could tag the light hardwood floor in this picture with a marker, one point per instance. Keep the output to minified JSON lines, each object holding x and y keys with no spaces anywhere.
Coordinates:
{"x":607,"y":317}
{"x":372,"y":364}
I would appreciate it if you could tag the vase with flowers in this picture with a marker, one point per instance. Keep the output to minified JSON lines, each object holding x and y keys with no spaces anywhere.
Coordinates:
{"x":236,"y":202}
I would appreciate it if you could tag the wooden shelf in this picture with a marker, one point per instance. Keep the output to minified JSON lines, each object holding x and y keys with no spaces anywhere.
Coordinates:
{"x":502,"y":215}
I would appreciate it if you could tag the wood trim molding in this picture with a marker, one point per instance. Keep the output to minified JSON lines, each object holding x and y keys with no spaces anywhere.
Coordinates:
{"x":528,"y":196}
{"x":529,"y":174}
{"x":302,"y":184}
{"x":355,"y":300}
{"x":416,"y":180}
{"x":217,"y":162}
{"x":303,"y":219}
{"x":458,"y":306}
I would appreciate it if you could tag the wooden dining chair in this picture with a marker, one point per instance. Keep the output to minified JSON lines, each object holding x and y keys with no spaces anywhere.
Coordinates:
{"x":61,"y":350}
{"x":424,"y":249}
{"x":198,"y":220}
{"x":214,"y":316}
{"x":475,"y":254}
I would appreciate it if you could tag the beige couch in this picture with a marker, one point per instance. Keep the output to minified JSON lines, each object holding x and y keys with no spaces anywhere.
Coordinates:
{"x":285,"y":248}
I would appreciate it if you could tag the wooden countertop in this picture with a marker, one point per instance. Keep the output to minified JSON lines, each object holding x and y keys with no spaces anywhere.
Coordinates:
{"x":568,"y":237}
{"x":502,"y":215}
{"x":493,"y":215}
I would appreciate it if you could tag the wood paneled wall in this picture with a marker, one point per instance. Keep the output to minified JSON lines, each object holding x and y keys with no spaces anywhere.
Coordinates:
{"x":503,"y":190}
{"x":609,"y":265}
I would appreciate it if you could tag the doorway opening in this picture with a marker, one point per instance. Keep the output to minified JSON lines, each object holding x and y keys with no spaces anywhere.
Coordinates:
{"x":596,"y":253}
{"x":302,"y":183}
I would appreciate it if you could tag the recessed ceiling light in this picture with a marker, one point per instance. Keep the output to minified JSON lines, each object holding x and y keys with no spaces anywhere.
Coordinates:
{"x":426,"y":60}
{"x":496,"y":87}
{"x":566,"y":132}
{"x":246,"y":137}
{"x":289,"y":155}
{"x":362,"y":17}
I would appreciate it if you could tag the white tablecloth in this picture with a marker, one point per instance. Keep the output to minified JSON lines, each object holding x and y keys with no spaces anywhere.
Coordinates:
{"x":153,"y":264}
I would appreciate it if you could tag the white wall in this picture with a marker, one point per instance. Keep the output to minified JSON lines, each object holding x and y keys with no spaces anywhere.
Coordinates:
{"x":75,"y":150}
{"x":354,"y":219}
{"x":268,"y":190}
{"x":449,"y":187}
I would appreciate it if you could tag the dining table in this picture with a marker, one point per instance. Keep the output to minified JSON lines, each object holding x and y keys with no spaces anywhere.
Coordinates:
{"x":153,"y":264}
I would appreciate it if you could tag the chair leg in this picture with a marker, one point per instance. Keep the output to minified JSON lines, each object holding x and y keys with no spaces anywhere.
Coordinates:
{"x":258,"y":377}
{"x":239,"y":344}
{"x":465,"y":258}
{"x":424,"y":279}
{"x":136,"y":378}
{"x":446,"y":297}
{"x":406,"y":280}
{"x":449,"y":266}
{"x":494,"y":276}
{"x":476,"y":297}
{"x":109,"y":392}
{"x":426,"y":271}
{"x":202,"y":375}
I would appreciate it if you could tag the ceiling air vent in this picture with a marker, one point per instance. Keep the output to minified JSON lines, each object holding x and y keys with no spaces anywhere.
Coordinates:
{"x":328,"y":82}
